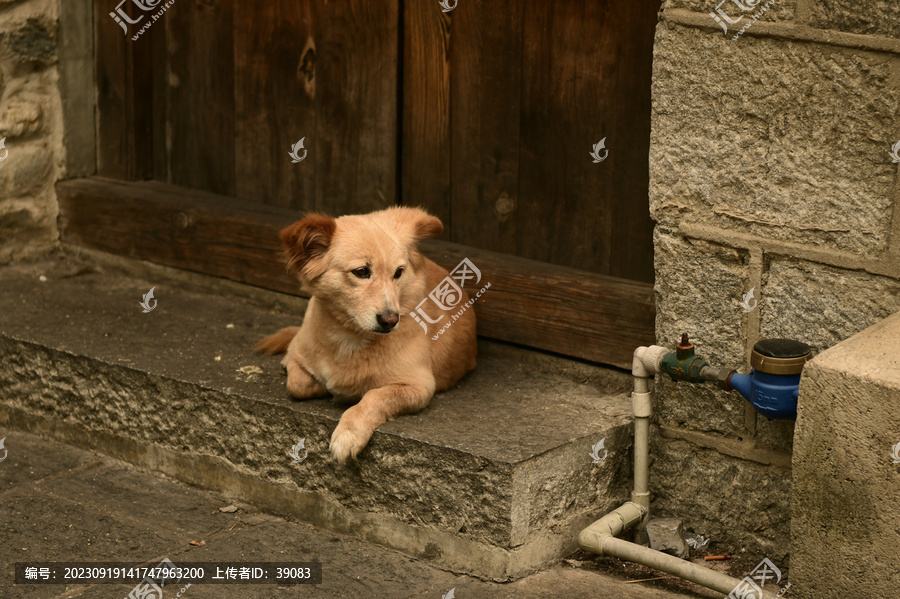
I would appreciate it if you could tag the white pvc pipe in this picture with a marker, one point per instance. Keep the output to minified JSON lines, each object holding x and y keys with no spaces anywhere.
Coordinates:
{"x":612,"y":524}
{"x":672,"y":565}
{"x":640,"y":493}
{"x":600,"y":537}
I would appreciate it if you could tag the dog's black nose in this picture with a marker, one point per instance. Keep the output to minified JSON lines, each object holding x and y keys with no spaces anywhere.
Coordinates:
{"x":387,"y":320}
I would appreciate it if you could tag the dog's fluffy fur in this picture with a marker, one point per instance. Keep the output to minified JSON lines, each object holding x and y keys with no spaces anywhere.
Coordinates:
{"x":365,"y":275}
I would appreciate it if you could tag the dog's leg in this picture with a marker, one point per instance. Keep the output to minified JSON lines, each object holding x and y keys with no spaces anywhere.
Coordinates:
{"x":301,"y":384}
{"x":375,"y":408}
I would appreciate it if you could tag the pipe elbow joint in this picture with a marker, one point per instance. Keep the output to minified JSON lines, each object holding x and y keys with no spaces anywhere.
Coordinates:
{"x":613,"y":523}
{"x":647,"y":360}
{"x":591,"y":540}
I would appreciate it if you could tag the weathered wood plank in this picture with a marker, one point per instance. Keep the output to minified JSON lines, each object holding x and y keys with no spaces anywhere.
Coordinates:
{"x":200,"y":36}
{"x":586,"y":77}
{"x":275,"y":91}
{"x":632,"y":236}
{"x":425,"y":147}
{"x":77,"y":85}
{"x":124,"y":148}
{"x":179,"y":227}
{"x":572,"y":312}
{"x":160,"y":82}
{"x":486,"y":90}
{"x":356,"y":105}
{"x":564,"y":310}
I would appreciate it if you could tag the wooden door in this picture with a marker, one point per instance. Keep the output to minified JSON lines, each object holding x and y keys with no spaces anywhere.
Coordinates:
{"x":486,"y":115}
{"x":502,"y":103}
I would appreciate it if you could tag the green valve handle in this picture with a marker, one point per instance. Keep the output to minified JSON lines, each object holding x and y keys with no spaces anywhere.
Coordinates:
{"x":682,"y":364}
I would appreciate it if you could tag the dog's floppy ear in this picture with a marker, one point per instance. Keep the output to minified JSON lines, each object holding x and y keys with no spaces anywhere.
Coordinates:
{"x":415,"y":224}
{"x":420,"y":223}
{"x":306,"y":242}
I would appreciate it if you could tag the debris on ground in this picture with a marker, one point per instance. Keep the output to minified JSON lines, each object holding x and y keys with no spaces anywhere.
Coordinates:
{"x":698,"y":542}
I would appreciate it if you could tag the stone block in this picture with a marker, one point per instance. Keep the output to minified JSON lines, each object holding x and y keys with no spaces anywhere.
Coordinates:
{"x":31,"y":41}
{"x":846,"y":518}
{"x":667,"y":535}
{"x":780,"y":10}
{"x":778,"y":434}
{"x":23,"y":231}
{"x":822,"y":305}
{"x":755,"y":137}
{"x":869,"y":17}
{"x":699,"y":288}
{"x":21,"y":118}
{"x":741,"y":506}
{"x":25,"y":170}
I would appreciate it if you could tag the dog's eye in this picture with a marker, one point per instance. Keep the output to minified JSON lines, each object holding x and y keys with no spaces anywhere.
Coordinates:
{"x":398,"y":272}
{"x":362,"y":272}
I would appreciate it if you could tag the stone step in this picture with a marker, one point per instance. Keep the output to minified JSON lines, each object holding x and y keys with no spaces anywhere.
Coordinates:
{"x":64,"y":504}
{"x":493,"y":479}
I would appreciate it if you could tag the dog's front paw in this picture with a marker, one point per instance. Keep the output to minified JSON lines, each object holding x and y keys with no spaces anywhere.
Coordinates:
{"x":350,"y":436}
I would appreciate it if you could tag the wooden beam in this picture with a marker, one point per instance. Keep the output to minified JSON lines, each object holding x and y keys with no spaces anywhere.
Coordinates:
{"x":77,"y":85}
{"x":532,"y":303}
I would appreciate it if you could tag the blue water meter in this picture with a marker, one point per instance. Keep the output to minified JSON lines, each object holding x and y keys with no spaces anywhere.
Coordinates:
{"x":774,"y":383}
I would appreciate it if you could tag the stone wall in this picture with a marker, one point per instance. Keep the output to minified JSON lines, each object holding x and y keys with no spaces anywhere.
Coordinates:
{"x":770,"y":170}
{"x":31,"y":125}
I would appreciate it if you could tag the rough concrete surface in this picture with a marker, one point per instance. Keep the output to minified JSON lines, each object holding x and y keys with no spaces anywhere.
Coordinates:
{"x":744,"y":507}
{"x":871,"y":17}
{"x":821,"y":305}
{"x":33,"y":40}
{"x":494,"y":478}
{"x":777,"y":434}
{"x":846,"y":515}
{"x":755,"y":137}
{"x":699,"y":286}
{"x":64,"y":504}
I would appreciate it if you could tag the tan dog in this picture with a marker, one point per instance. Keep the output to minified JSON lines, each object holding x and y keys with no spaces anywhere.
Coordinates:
{"x":365,"y":276}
